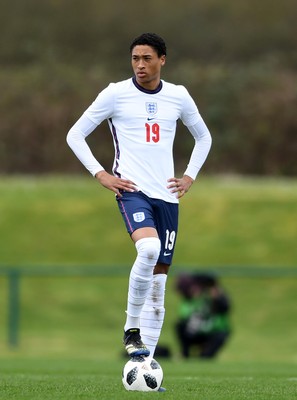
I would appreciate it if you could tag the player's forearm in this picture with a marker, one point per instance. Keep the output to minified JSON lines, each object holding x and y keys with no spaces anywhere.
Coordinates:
{"x":200,"y":151}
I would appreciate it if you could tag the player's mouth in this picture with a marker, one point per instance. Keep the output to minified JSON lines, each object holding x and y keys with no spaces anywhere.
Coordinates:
{"x":141,"y":74}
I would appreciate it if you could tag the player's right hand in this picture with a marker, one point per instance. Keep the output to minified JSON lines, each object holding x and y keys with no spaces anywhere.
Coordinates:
{"x":114,"y":183}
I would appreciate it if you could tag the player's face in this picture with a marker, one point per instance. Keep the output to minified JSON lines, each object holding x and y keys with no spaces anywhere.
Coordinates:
{"x":147,"y":66}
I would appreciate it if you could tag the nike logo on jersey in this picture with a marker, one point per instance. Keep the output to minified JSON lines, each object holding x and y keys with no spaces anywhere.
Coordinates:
{"x":149,"y":119}
{"x":166,"y":254}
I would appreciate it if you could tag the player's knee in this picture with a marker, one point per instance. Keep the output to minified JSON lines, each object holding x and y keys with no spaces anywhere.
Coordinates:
{"x":149,"y":248}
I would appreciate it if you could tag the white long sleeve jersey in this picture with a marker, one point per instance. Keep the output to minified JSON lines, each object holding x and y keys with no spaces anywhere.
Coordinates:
{"x":143,"y":127}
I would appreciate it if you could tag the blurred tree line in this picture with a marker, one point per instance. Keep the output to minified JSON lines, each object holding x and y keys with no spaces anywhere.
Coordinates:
{"x":237,"y":58}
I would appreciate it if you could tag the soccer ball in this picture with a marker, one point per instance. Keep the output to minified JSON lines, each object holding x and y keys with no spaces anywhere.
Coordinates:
{"x":143,"y":374}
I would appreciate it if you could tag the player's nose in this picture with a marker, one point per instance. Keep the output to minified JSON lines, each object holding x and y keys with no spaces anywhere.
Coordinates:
{"x":140,"y":64}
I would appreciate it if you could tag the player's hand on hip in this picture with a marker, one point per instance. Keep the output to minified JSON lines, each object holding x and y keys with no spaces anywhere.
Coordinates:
{"x":180,"y":185}
{"x":115,"y":184}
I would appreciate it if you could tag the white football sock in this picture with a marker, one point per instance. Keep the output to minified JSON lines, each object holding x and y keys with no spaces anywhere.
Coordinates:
{"x":141,"y":275}
{"x":153,"y":312}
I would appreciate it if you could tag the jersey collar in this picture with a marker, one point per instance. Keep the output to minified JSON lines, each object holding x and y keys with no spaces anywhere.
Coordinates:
{"x":147,"y":91}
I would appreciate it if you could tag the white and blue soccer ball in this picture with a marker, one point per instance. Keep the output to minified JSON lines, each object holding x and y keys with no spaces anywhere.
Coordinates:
{"x":143,"y":374}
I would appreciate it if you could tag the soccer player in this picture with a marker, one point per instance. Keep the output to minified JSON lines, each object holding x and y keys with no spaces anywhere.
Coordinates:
{"x":142,"y":114}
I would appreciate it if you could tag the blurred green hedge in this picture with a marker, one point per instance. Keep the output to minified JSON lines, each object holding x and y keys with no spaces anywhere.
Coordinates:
{"x":237,"y":59}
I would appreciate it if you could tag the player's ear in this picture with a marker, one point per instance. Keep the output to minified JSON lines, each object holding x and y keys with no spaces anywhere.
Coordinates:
{"x":163,"y":60}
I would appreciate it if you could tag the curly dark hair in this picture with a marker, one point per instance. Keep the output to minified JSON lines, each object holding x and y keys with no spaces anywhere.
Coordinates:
{"x":150,"y":39}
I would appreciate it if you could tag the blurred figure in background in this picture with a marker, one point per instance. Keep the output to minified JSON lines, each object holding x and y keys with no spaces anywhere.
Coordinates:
{"x":203,"y":315}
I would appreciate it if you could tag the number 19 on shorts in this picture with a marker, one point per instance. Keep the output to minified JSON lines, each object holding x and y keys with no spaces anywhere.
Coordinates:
{"x":170,"y":239}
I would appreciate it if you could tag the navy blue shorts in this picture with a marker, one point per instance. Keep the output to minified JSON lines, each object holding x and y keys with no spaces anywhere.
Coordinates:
{"x":140,"y":211}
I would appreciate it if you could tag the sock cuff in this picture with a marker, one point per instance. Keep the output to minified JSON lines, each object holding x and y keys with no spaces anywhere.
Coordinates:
{"x":148,"y":250}
{"x":162,"y":278}
{"x":150,"y":239}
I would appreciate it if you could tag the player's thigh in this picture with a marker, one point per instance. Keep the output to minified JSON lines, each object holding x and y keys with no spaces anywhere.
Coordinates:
{"x":144,"y":233}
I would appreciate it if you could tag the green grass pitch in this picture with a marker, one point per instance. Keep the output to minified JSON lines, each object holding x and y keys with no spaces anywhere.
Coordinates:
{"x":41,"y":379}
{"x":71,"y":326}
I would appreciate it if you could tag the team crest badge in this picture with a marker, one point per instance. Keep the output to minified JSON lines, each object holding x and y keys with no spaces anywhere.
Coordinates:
{"x":151,"y":108}
{"x":139,"y":217}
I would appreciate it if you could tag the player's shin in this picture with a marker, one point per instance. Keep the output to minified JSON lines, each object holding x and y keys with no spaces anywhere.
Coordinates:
{"x":140,"y":279}
{"x":153,"y":312}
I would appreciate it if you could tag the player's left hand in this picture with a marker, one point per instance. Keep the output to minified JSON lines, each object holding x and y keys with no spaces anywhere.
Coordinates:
{"x":180,"y":185}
